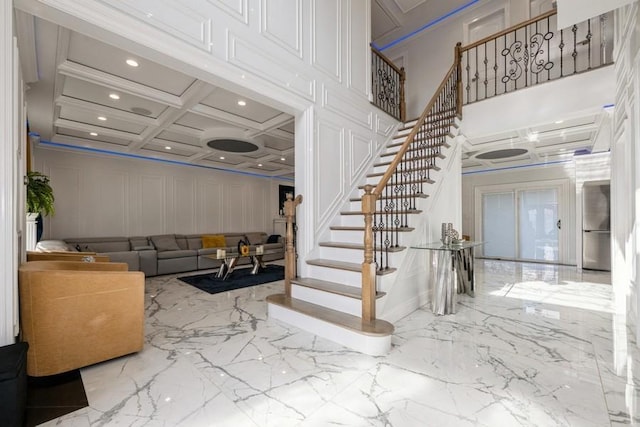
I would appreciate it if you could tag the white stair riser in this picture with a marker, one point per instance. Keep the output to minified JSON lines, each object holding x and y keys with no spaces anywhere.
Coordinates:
{"x":372,"y":345}
{"x":358,"y":236}
{"x":358,"y":220}
{"x":343,"y":277}
{"x":327,"y":299}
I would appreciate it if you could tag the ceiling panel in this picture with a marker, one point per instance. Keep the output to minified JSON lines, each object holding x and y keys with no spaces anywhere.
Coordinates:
{"x":171,"y":136}
{"x":226,"y":101}
{"x":100,"y":56}
{"x":88,"y":138}
{"x":201,"y":123}
{"x":99,"y":95}
{"x":88,"y":117}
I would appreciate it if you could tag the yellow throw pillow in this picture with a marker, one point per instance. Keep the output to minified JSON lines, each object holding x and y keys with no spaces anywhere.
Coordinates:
{"x":213,"y":241}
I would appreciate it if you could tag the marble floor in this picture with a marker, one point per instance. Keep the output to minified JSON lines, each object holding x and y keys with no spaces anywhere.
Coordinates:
{"x":539,"y":345}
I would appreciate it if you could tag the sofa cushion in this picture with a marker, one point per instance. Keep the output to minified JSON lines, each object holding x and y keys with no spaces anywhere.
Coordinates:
{"x":256,"y":238}
{"x":53,"y":246}
{"x":213,"y":241}
{"x":100,"y":244}
{"x":183,"y":253}
{"x":165,"y":243}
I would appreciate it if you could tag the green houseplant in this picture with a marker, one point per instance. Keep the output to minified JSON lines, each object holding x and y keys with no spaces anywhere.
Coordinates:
{"x":39,"y":194}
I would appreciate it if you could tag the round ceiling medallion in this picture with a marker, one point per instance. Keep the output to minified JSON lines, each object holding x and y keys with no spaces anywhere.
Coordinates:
{"x":501,"y":154}
{"x":232,"y":145}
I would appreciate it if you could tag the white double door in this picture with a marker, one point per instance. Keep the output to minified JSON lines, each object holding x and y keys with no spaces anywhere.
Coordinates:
{"x":523,"y":224}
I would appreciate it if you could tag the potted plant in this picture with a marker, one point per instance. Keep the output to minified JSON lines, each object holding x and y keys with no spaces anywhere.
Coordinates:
{"x":39,"y":194}
{"x":39,"y":202}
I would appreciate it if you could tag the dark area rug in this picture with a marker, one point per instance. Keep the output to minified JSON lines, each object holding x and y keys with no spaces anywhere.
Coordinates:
{"x":54,"y":396}
{"x":241,"y":278}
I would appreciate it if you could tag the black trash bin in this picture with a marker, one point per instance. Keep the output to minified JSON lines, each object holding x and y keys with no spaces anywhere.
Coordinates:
{"x":13,"y":384}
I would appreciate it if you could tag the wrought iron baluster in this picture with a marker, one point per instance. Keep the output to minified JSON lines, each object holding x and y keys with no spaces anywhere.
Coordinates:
{"x":549,"y":49}
{"x":486,"y":81}
{"x":589,"y":35}
{"x":495,"y":67}
{"x":476,"y":75}
{"x":561,"y":46}
{"x":468,"y":85}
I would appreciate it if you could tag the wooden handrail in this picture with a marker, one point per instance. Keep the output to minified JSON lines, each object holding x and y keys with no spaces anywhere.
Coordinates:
{"x":405,"y":146}
{"x":509,"y":30}
{"x":388,"y":61}
{"x":290,"y":254}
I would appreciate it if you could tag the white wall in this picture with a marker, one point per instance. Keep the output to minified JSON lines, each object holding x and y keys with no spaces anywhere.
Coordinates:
{"x":574,"y":11}
{"x":101,"y":195}
{"x":625,"y":164}
{"x":308,"y":58}
{"x":520,"y":178}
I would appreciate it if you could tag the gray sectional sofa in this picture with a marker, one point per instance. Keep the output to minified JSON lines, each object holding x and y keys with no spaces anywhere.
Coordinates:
{"x":174,"y":253}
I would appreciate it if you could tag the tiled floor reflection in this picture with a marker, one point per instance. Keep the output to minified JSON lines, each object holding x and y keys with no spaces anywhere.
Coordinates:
{"x":538,"y":346}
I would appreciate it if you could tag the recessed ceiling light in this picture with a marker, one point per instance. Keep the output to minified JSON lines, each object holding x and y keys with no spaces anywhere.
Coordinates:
{"x":533,"y":137}
{"x":102,"y":118}
{"x":167,"y":148}
{"x":242,"y":103}
{"x":559,"y":121}
{"x":259,"y":165}
{"x":221,"y":157}
{"x":93,"y":134}
{"x":283,"y":159}
{"x":132,"y":62}
{"x":114,"y":96}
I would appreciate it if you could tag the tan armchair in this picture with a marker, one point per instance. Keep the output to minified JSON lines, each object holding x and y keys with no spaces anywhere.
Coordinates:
{"x":65,"y":256}
{"x":74,"y":314}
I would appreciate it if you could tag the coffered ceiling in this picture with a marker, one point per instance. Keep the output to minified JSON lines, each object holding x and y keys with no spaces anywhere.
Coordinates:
{"x":82,"y":93}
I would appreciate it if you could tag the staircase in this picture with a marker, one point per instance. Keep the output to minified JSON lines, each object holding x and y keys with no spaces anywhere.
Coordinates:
{"x":332,"y":301}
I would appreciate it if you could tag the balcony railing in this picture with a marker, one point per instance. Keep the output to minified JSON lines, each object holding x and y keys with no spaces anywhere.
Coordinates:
{"x":387,"y":85}
{"x":534,"y":52}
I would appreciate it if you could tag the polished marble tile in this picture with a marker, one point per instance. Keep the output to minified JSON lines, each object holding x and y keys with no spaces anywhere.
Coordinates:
{"x":538,"y":345}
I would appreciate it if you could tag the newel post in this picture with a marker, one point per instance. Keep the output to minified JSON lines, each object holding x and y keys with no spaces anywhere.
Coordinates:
{"x":458,"y":61}
{"x":290,"y":252}
{"x":368,"y":266}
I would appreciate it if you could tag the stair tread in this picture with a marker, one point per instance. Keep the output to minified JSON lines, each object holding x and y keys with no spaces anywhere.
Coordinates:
{"x":376,"y":327}
{"x":358,"y":246}
{"x":332,"y":287}
{"x":348,"y":266}
{"x":355,"y":228}
{"x":410,"y":212}
{"x":418,"y":195}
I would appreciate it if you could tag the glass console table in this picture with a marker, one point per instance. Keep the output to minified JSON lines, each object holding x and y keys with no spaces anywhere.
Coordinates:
{"x":451,"y":273}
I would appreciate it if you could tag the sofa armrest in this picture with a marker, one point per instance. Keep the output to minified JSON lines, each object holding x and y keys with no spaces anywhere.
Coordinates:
{"x":149,"y":262}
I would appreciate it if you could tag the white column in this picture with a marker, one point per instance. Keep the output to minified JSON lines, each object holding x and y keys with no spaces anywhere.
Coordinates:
{"x":8,"y":256}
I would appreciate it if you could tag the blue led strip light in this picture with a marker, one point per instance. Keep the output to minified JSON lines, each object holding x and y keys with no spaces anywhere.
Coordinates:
{"x":172,"y":162}
{"x":426,"y":26}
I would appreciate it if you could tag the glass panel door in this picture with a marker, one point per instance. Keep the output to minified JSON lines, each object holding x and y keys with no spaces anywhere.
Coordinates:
{"x":538,"y":225}
{"x":499,"y":225}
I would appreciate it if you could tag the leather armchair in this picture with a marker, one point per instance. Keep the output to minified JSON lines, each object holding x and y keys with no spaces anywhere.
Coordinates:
{"x":74,"y":314}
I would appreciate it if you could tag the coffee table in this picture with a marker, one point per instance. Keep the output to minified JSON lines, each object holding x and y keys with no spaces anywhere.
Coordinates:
{"x":230,"y":260}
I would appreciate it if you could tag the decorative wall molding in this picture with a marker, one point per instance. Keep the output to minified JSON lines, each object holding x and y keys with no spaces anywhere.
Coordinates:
{"x":326,"y":46}
{"x":361,"y":154}
{"x":248,"y":56}
{"x":333,"y":101}
{"x":178,"y":18}
{"x":281,"y":26}
{"x":237,"y":9}
{"x":358,"y":50}
{"x":329,"y":183}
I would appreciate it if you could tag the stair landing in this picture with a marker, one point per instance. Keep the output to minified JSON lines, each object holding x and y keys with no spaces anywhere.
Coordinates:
{"x":372,"y":338}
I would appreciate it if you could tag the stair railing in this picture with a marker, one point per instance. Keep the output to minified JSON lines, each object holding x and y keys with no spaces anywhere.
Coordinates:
{"x":387,"y":85}
{"x":534,"y":52}
{"x":290,"y":252}
{"x":403,"y":182}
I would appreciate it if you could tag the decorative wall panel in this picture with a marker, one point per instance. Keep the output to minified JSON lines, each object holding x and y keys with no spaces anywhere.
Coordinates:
{"x":178,"y":18}
{"x":329,"y":185}
{"x":184,"y":197}
{"x":281,"y":22}
{"x":326,"y":37}
{"x":211,"y":213}
{"x":106,"y":195}
{"x":250,"y":57}
{"x":361,"y":151}
{"x":237,"y":9}
{"x":334,"y":101}
{"x":152,"y":206}
{"x":236,"y":208}
{"x":358,"y":46}
{"x":66,"y":221}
